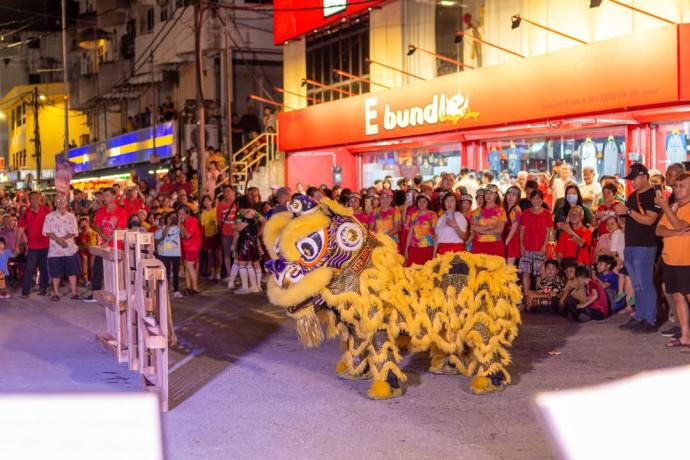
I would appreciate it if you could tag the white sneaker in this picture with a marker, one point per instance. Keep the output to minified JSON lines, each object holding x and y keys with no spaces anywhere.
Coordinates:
{"x":243,"y":290}
{"x":177,"y":295}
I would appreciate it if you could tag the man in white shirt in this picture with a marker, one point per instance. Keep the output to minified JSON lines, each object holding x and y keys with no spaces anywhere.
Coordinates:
{"x":589,"y":189}
{"x":60,"y":227}
{"x":558,"y":184}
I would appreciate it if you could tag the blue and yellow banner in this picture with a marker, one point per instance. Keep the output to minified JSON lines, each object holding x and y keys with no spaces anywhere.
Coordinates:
{"x":126,"y":149}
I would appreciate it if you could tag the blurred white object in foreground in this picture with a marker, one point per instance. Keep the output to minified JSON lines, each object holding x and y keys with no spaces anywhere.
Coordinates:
{"x":76,"y":426}
{"x":605,"y":421}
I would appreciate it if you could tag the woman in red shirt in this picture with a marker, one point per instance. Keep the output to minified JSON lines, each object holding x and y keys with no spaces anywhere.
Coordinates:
{"x":190,"y":233}
{"x":575,"y":240}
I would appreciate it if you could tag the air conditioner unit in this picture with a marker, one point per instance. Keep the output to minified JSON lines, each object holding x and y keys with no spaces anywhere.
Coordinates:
{"x":190,"y":135}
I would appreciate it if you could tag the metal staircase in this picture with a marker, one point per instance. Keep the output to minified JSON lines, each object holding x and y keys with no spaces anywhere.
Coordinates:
{"x":257,"y":153}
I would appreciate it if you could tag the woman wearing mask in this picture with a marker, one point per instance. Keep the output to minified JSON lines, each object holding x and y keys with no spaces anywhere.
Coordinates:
{"x":451,"y":229}
{"x":419,"y":246}
{"x":387,"y":219}
{"x":572,"y":199}
{"x":575,"y":240}
{"x":488,"y":223}
{"x":510,"y":232}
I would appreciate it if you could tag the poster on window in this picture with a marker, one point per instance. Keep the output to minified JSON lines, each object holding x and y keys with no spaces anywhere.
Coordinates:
{"x":64,"y":170}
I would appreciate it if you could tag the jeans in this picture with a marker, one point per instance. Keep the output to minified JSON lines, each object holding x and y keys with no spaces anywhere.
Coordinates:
{"x":35,"y":258}
{"x":639,"y":261}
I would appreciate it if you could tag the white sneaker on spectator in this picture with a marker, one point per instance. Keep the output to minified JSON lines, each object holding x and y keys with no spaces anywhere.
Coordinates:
{"x":177,"y":295}
{"x":243,"y":290}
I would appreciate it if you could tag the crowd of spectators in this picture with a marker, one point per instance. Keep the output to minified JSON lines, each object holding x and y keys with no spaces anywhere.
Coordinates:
{"x":582,"y":250}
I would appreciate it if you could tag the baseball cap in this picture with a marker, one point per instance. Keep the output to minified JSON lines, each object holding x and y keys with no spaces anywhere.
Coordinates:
{"x":466,"y":197}
{"x":636,"y":169}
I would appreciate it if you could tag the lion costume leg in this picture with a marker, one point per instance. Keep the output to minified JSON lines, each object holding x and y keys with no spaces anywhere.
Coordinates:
{"x":353,"y":365}
{"x":383,"y":359}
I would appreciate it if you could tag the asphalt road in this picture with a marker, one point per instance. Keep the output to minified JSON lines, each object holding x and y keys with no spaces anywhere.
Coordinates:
{"x":242,"y":386}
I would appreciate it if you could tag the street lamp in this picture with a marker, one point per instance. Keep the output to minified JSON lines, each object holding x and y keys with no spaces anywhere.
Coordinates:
{"x":411,"y":49}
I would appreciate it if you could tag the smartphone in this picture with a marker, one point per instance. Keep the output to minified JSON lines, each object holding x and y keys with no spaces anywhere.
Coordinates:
{"x":658,"y":188}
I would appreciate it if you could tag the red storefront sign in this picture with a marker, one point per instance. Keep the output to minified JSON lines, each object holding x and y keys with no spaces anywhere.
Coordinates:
{"x":292,"y":18}
{"x":647,"y":69}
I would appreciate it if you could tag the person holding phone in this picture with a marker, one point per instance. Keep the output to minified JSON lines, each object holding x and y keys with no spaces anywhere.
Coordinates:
{"x":451,"y":228}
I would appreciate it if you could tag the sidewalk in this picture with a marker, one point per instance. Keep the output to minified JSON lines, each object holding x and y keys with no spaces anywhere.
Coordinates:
{"x":242,"y":386}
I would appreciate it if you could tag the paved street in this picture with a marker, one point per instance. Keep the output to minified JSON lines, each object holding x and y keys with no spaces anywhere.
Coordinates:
{"x":243,"y":387}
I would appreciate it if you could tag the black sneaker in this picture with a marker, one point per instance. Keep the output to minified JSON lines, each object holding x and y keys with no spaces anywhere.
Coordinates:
{"x":644,"y":328}
{"x":673,"y":331}
{"x":43,"y":292}
{"x":89,"y":298}
{"x":632,"y":323}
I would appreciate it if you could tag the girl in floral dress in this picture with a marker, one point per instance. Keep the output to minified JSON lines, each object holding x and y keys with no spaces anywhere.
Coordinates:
{"x":387,"y":219}
{"x":419,"y":247}
{"x":511,"y":235}
{"x":487,"y":224}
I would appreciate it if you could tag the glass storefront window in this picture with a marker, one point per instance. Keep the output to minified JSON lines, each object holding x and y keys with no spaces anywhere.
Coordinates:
{"x":453,"y":17}
{"x":399,"y":163}
{"x":671,"y":143}
{"x":603,"y":150}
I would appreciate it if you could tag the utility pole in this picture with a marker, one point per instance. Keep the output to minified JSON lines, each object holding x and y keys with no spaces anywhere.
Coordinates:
{"x":201,"y":122}
{"x":229,"y":84}
{"x":37,"y":137}
{"x":64,"y":75}
{"x":153,"y":112}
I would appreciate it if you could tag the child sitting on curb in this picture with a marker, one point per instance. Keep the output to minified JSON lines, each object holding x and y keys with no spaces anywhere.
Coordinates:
{"x":549,"y":288}
{"x":595,"y":306}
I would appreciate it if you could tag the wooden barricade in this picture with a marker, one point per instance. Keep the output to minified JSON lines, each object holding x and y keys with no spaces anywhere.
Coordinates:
{"x":151,"y":301}
{"x":113,"y":298}
{"x":137,"y":247}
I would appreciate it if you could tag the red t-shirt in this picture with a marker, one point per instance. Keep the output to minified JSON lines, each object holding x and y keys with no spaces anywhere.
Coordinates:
{"x":536,"y":226}
{"x":225,"y":221}
{"x":602,"y":302}
{"x":567,"y":247}
{"x":187,"y":187}
{"x":167,"y":188}
{"x":133,"y":206}
{"x":109,"y":221}
{"x":193,"y":242}
{"x":32,"y":223}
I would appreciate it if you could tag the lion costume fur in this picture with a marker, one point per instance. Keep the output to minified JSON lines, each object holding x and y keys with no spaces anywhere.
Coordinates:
{"x":327,"y":268}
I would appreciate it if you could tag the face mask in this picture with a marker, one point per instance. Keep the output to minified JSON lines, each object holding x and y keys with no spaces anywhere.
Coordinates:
{"x":571,"y":199}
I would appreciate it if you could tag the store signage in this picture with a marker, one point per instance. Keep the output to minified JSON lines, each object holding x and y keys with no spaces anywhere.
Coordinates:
{"x":651,"y":70}
{"x":294,"y":18}
{"x":333,"y":6}
{"x":442,"y":108}
{"x":125,"y":149}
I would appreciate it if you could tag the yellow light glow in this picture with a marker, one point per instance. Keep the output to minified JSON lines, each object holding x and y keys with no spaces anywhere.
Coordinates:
{"x":2,"y":116}
{"x":41,"y":97}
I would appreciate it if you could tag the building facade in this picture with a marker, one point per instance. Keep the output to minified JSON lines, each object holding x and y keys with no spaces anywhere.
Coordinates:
{"x":402,"y":88}
{"x":32,"y":148}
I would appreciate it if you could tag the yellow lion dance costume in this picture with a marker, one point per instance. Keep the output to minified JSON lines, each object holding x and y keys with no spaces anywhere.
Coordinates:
{"x":327,"y":268}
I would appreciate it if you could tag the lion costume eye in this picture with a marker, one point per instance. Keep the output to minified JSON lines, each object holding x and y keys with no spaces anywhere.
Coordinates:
{"x":312,"y":248}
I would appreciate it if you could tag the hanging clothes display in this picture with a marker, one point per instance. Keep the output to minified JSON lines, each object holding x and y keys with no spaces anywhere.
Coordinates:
{"x":514,"y":154}
{"x":611,"y":153}
{"x":494,"y":160}
{"x":676,"y":148}
{"x":588,"y":155}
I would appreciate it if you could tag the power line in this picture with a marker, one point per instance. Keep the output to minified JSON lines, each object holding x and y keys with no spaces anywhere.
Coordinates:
{"x":261,"y":8}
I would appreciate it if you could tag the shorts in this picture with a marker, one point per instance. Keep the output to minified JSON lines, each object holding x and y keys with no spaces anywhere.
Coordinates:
{"x":227,"y":245}
{"x":532,"y":262}
{"x":190,"y":256}
{"x":450,"y":247}
{"x":676,"y":278}
{"x":491,"y":248}
{"x":63,"y":266}
{"x":211,"y":242}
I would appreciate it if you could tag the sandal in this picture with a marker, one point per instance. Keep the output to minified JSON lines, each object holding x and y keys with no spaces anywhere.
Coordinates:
{"x":676,"y":343}
{"x":75,"y":297}
{"x":54,"y":298}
